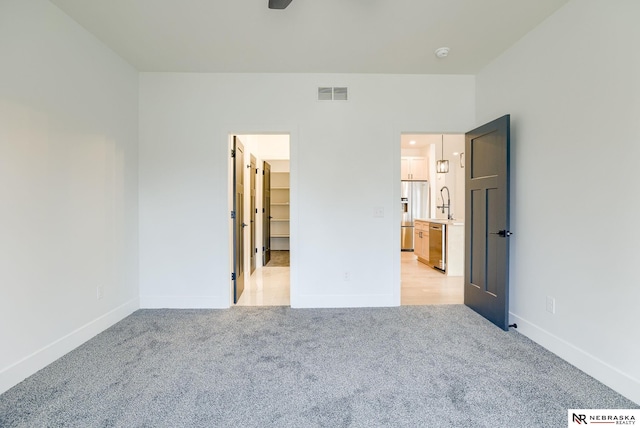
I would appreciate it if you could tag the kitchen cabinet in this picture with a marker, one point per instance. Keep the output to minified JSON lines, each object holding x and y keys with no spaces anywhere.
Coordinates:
{"x":453,"y":245}
{"x":279,"y":210}
{"x":414,"y":168}
{"x":421,"y":240}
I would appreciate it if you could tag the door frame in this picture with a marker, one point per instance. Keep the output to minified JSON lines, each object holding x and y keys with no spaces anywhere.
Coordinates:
{"x":253,"y":210}
{"x":433,"y":191}
{"x":266,"y":213}
{"x":293,"y":199}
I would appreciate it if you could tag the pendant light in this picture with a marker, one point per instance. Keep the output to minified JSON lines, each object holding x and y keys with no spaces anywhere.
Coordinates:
{"x":442,"y":166}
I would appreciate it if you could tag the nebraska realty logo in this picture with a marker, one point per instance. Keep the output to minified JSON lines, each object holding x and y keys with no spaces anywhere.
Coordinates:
{"x":598,"y":417}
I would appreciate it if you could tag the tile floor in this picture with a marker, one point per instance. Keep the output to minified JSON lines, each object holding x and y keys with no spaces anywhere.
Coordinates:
{"x":421,"y":285}
{"x":267,"y":286}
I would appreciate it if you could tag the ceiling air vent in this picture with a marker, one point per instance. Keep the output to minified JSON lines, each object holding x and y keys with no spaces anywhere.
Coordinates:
{"x":327,"y":93}
{"x":340,"y":94}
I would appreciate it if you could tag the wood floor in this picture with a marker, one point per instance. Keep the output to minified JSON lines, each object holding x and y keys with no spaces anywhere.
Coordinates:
{"x":420,"y":285}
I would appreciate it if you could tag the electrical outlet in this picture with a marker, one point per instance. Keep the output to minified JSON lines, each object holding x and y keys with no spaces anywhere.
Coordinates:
{"x":347,"y":275}
{"x":378,"y":212}
{"x":551,"y":305}
{"x":99,"y":292}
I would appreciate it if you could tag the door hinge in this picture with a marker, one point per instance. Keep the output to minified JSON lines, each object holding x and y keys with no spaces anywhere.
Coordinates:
{"x":233,"y":153}
{"x":256,"y":171}
{"x":263,"y":211}
{"x":256,"y":211}
{"x":233,"y":214}
{"x":256,"y":250}
{"x":233,"y":276}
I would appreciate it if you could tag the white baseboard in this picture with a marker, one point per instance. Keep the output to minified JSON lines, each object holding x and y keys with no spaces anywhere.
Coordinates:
{"x":343,"y":301}
{"x":615,"y":379}
{"x":184,"y":302}
{"x":19,"y":371}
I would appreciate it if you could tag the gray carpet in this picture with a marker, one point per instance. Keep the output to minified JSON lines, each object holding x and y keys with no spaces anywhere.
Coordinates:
{"x":412,"y":366}
{"x":279,"y":258}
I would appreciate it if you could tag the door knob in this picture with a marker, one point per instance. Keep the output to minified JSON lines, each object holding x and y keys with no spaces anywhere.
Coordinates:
{"x":502,"y":233}
{"x":244,"y":225}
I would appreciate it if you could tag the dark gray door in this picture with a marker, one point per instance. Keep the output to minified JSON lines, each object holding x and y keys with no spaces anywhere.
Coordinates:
{"x":252,"y":222}
{"x":486,"y":273}
{"x":266,"y":214}
{"x":238,"y":219}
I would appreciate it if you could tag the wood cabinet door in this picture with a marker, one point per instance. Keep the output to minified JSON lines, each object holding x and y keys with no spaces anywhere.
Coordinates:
{"x":417,"y":241}
{"x":421,"y":245}
{"x":414,"y":169}
{"x":405,"y":169}
{"x":425,"y":242}
{"x":419,"y":170}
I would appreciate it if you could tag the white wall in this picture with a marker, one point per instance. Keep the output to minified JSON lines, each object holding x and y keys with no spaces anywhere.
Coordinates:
{"x":572,"y":86}
{"x":68,"y":187}
{"x":345,"y":160}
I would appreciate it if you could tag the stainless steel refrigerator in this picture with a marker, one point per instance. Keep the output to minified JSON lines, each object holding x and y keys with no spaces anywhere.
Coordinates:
{"x":414,"y":203}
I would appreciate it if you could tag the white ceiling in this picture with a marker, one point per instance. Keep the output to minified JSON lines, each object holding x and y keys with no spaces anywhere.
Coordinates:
{"x":426,"y":140}
{"x":267,"y":146}
{"x":323,"y":36}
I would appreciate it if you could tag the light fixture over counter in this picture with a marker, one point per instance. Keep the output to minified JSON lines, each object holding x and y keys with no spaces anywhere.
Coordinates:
{"x":442,"y":166}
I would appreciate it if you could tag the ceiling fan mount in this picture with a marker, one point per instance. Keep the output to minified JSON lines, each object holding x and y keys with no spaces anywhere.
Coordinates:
{"x":278,"y":4}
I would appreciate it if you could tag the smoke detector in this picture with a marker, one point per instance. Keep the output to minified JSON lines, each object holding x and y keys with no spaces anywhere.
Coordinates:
{"x":442,"y":52}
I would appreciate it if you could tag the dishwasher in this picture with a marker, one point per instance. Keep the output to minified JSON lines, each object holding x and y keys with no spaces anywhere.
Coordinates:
{"x":437,"y":246}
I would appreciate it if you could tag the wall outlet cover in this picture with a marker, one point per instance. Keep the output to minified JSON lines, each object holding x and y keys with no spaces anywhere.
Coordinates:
{"x":551,"y":305}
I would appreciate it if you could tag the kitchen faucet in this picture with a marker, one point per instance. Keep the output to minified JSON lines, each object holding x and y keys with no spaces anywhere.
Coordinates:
{"x":447,"y":205}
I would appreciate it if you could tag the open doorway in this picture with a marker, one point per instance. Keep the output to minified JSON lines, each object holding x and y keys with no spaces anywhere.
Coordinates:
{"x":432,"y":227}
{"x":260,"y":217}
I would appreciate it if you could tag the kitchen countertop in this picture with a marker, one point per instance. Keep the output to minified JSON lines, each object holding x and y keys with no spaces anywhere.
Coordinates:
{"x":442,"y":221}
